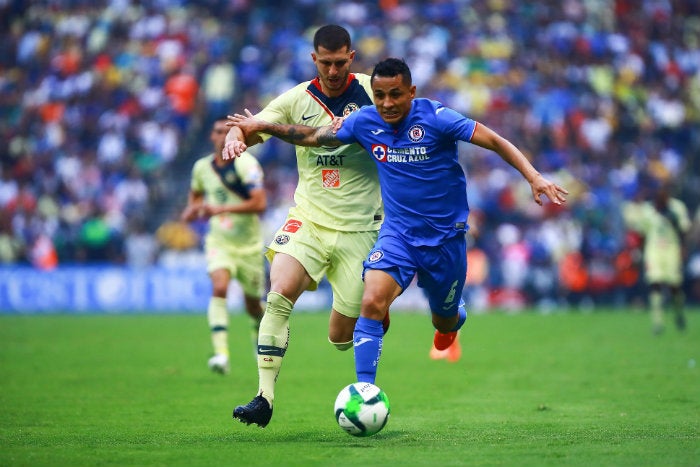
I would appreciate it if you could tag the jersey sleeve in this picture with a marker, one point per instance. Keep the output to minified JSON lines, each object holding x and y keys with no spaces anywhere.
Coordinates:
{"x":277,"y":111}
{"x":456,"y":125}
{"x":273,"y":113}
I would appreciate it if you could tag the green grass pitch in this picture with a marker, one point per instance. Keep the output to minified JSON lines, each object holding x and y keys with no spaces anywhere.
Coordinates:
{"x":594,"y":389}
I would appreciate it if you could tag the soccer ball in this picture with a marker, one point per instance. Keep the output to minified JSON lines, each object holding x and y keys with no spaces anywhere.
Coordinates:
{"x":362,"y":409}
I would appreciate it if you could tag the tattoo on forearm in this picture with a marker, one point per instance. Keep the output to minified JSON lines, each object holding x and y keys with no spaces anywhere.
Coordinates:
{"x":303,"y":135}
{"x":325,"y":135}
{"x":287,"y":133}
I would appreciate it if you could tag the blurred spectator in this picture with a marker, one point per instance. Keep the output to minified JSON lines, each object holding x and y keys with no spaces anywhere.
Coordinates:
{"x":11,"y":246}
{"x":97,"y":242}
{"x":43,"y":253}
{"x":629,"y":269}
{"x":218,"y":84}
{"x":140,"y":246}
{"x":182,"y":88}
{"x":180,"y":245}
{"x":177,"y":235}
{"x":573,"y":277}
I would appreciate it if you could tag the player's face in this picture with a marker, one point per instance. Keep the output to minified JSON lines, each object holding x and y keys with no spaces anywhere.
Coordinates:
{"x":392,"y":97}
{"x":218,"y":135}
{"x":333,"y":68}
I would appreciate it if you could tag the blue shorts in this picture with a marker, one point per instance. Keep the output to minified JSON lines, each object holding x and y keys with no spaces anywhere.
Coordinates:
{"x":441,"y":270}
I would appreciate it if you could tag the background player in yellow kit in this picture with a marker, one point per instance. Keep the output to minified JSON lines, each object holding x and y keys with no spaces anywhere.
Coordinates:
{"x":231,"y":195}
{"x":663,"y":221}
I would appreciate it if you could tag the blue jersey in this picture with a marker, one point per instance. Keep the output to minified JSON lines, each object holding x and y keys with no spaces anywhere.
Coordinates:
{"x":423,"y":187}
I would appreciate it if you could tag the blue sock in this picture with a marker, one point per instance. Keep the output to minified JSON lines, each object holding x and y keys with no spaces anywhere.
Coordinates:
{"x":367,"y":345}
{"x":462,"y":311}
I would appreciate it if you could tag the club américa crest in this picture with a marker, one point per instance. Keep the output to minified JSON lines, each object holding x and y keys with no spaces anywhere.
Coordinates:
{"x":282,"y":239}
{"x":350,"y":108}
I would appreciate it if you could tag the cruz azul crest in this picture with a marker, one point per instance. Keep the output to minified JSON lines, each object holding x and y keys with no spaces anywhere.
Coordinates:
{"x":416,"y":133}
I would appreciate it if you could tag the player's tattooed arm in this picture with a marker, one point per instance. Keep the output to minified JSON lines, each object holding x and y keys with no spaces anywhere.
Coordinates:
{"x":305,"y":135}
{"x":301,"y":135}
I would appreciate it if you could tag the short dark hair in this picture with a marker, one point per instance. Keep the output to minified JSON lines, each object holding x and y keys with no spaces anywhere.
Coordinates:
{"x":332,"y":37}
{"x":393,"y":67}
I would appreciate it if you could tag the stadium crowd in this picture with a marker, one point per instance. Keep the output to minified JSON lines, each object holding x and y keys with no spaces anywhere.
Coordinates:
{"x":105,"y":105}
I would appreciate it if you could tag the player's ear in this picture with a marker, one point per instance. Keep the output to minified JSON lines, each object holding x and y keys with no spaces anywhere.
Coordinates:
{"x":413,"y":91}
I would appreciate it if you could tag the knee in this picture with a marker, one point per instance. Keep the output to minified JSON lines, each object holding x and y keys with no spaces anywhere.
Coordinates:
{"x":374,"y":305}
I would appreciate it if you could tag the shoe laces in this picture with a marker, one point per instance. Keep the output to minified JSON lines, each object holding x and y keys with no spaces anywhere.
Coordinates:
{"x":258,"y":402}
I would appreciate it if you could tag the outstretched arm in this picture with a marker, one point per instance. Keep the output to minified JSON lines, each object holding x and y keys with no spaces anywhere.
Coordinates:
{"x":489,"y":139}
{"x":300,"y":135}
{"x":237,"y":142}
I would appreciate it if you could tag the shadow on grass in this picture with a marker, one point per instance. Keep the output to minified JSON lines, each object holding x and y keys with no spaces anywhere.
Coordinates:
{"x":339,"y":439}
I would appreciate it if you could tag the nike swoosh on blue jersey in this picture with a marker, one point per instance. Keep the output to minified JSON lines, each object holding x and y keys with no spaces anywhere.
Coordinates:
{"x":376,"y":132}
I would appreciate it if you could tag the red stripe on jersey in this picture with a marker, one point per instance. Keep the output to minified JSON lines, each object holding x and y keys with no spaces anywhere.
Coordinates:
{"x":323,"y":106}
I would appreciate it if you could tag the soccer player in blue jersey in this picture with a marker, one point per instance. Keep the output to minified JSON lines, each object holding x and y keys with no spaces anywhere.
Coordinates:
{"x":413,"y":142}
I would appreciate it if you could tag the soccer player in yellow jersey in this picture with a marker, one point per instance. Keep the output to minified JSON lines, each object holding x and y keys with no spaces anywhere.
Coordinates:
{"x":336,"y":218}
{"x":663,"y":222}
{"x":231,"y":195}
